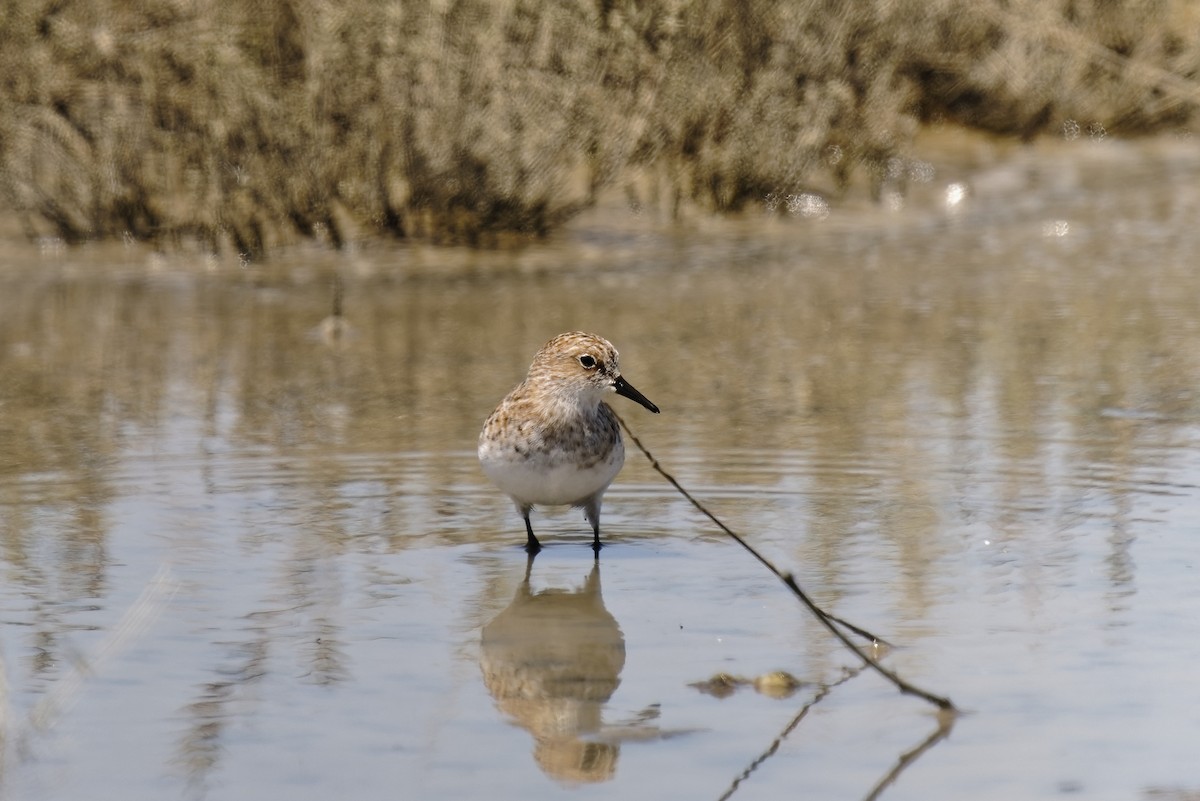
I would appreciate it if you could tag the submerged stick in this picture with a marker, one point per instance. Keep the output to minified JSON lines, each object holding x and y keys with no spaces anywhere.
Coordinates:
{"x":830,"y":622}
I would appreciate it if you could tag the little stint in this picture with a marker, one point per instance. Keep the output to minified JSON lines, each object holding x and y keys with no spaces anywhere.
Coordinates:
{"x":553,"y":441}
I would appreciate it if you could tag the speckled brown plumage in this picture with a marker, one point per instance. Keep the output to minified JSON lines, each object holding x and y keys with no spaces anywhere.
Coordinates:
{"x":553,"y":440}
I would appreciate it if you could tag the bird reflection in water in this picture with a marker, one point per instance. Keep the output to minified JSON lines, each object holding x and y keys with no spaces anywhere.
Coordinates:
{"x":551,"y":660}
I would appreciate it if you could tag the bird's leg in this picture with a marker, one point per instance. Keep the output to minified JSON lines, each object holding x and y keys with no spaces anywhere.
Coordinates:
{"x":592,"y":511}
{"x":532,"y":545}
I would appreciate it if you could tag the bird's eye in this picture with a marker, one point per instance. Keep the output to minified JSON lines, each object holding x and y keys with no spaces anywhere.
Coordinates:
{"x":588,"y":361}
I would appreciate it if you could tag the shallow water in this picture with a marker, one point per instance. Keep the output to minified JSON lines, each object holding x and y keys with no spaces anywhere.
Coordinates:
{"x":247,"y":554}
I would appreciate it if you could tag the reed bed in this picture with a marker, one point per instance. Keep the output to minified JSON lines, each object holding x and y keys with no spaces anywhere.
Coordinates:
{"x":241,"y":127}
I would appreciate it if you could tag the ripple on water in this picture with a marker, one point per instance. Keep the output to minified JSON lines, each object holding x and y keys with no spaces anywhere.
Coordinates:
{"x":974,"y":439}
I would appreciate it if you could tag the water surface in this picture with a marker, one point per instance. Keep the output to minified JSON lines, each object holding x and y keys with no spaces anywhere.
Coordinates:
{"x":247,"y":551}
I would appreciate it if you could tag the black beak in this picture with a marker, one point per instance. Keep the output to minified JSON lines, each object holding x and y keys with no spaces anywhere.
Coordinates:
{"x":625,"y":389}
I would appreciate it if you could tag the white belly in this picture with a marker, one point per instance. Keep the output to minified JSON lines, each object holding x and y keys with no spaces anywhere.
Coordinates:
{"x":550,"y":481}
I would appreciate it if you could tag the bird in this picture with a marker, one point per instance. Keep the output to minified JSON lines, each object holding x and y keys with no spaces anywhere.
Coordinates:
{"x":553,"y":440}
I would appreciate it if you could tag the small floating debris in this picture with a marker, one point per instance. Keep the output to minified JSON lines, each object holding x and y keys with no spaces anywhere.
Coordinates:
{"x":776,"y":684}
{"x":722,"y":685}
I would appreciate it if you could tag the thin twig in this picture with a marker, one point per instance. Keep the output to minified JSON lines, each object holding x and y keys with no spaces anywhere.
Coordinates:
{"x":826,"y":619}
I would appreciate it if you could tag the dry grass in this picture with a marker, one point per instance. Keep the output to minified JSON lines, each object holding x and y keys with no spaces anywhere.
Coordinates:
{"x":243,"y":126}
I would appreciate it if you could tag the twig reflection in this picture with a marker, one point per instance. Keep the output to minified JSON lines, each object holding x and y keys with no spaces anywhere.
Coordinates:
{"x":824,"y":690}
{"x":945,"y":720}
